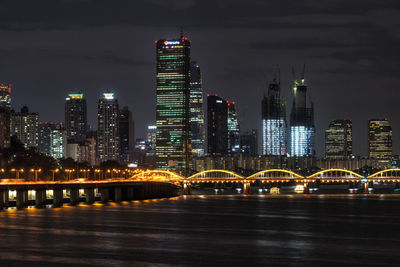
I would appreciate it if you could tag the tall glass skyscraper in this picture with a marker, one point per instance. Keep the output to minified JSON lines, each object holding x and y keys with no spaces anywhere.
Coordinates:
{"x":76,"y":117}
{"x":233,"y":129}
{"x":217,"y":126}
{"x":338,"y":139}
{"x":173,"y":145}
{"x":273,"y":121}
{"x":108,"y":146}
{"x":302,"y":129}
{"x":196,"y":110}
{"x":380,"y":140}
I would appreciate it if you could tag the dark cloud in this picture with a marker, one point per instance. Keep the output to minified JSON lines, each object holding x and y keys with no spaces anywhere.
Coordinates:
{"x":350,"y":48}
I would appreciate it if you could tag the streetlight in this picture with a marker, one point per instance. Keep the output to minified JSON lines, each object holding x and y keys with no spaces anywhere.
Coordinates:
{"x":36,"y":172}
{"x":54,"y":171}
{"x":17,"y":172}
{"x":2,"y":171}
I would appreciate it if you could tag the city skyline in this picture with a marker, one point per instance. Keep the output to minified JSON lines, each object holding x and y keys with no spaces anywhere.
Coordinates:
{"x":360,"y":58}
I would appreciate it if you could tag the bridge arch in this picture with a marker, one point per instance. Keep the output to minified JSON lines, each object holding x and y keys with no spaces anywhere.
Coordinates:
{"x":215,"y":175}
{"x":275,"y":174}
{"x":335,"y":174}
{"x":386,"y":174}
{"x":158,"y":175}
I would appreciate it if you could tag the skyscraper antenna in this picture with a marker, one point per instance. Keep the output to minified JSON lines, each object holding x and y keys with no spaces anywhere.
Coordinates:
{"x":303,"y":72}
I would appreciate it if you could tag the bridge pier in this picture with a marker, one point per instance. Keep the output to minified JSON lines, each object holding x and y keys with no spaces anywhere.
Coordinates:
{"x":1,"y":199}
{"x":40,"y":198}
{"x":89,"y":192}
{"x":366,"y":186}
{"x":246,"y":188}
{"x":20,"y":199}
{"x":117,"y":194}
{"x":105,"y":194}
{"x":57,"y":197}
{"x":129,"y":194}
{"x":186,"y":189}
{"x":73,"y":196}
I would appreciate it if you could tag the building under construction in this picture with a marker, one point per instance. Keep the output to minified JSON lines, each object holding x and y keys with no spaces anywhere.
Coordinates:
{"x":302,"y":128}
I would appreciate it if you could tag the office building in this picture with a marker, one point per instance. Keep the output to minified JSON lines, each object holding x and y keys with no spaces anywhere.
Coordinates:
{"x":233,"y":129}
{"x":302,"y":128}
{"x":273,"y":113}
{"x":5,"y":121}
{"x":108,"y":146}
{"x":5,"y":95}
{"x":76,"y":117}
{"x":151,"y":137}
{"x":339,"y":140}
{"x":217,"y":126}
{"x":380,"y":140}
{"x":173,"y":145}
{"x":52,"y":139}
{"x":25,"y":126}
{"x":196,"y":111}
{"x":126,"y":134}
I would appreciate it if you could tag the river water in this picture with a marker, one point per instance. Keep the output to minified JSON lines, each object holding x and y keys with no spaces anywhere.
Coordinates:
{"x":286,"y":230}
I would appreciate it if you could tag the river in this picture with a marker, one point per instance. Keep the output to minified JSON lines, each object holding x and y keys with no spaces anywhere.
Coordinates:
{"x":283,"y":230}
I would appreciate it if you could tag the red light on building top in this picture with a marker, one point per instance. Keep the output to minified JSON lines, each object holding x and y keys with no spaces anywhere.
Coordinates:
{"x":208,"y":95}
{"x":155,"y":41}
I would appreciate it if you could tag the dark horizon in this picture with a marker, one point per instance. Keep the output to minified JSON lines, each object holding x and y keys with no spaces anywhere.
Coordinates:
{"x":50,"y":49}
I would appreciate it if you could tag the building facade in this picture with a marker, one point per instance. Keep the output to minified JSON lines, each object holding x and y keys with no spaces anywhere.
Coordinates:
{"x":339,"y":139}
{"x":233,"y":129}
{"x":25,"y":126}
{"x":126,"y":134}
{"x":273,"y":113}
{"x":196,"y":111}
{"x":302,"y":128}
{"x":52,"y":139}
{"x":76,"y":117}
{"x":217,"y":126}
{"x":5,"y":121}
{"x":108,"y":145}
{"x":249,"y":143}
{"x":5,"y":95}
{"x":380,"y":140}
{"x":173,"y":147}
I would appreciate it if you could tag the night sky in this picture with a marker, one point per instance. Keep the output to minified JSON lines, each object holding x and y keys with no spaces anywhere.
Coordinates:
{"x":350,"y":48}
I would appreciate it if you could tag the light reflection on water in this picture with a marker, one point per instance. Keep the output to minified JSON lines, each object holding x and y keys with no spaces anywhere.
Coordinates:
{"x":207,"y":230}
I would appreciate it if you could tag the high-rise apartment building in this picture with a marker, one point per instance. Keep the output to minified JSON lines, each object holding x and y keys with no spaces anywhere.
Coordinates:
{"x":107,"y":128}
{"x":233,"y":129}
{"x":302,"y":128}
{"x":173,"y":147}
{"x":380,"y":140}
{"x":126,"y":134}
{"x":52,"y":139}
{"x":339,"y":140}
{"x":217,"y":126}
{"x":5,"y":95}
{"x":273,"y":113}
{"x":151,"y":137}
{"x":25,"y":126}
{"x":76,"y":117}
{"x":5,"y":121}
{"x":196,"y":110}
{"x":5,"y":115}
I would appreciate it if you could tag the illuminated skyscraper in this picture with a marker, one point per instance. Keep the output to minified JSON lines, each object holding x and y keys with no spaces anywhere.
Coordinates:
{"x":25,"y":126}
{"x":380,"y":140}
{"x":52,"y":139}
{"x":151,"y":137}
{"x":173,"y":148}
{"x":338,"y":139}
{"x":76,"y":117}
{"x":273,"y":120}
{"x":196,"y":110}
{"x":217,"y":125}
{"x":302,"y":129}
{"x":5,"y":95}
{"x":108,"y":128}
{"x":233,"y":129}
